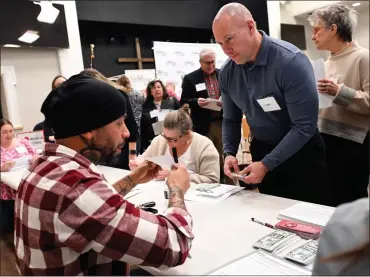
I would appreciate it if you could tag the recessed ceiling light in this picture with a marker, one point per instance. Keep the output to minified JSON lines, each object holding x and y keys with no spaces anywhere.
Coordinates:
{"x":48,"y":12}
{"x":29,"y":36}
{"x":356,"y":4}
{"x":12,"y":45}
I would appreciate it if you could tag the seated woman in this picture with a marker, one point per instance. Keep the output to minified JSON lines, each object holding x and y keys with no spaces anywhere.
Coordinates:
{"x":157,"y":98}
{"x":195,"y":151}
{"x":11,"y":149}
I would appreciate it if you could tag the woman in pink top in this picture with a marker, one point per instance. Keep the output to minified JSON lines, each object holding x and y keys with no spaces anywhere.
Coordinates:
{"x":11,"y":149}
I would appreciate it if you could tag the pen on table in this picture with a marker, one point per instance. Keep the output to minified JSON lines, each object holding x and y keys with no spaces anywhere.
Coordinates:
{"x":262,"y":223}
{"x":174,"y":152}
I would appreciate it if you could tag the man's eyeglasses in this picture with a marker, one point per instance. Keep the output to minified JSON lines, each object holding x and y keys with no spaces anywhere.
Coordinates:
{"x":174,"y":140}
{"x":209,"y":62}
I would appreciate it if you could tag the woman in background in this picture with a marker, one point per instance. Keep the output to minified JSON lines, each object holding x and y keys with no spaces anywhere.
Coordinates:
{"x":128,"y":152}
{"x":157,"y":99}
{"x":11,"y":149}
{"x":345,"y":125}
{"x":195,"y":151}
{"x":136,"y":99}
{"x":48,"y":132}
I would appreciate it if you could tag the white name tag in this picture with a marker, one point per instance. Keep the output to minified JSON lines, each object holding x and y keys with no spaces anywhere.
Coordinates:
{"x":200,"y":87}
{"x":269,"y":104}
{"x":21,"y":149}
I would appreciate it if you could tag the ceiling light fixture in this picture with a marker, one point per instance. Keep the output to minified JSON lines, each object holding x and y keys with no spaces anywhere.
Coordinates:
{"x":356,"y":4}
{"x":29,"y":36}
{"x":12,"y":45}
{"x":48,"y":12}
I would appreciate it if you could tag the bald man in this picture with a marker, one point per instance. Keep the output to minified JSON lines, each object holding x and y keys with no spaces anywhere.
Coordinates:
{"x":273,"y":83}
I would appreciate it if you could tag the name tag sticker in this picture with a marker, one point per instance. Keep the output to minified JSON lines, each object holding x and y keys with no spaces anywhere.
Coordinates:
{"x":269,"y":104}
{"x":21,"y":150}
{"x":200,"y":87}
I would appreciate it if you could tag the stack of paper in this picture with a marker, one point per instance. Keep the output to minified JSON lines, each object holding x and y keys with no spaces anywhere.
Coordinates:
{"x":275,"y":240}
{"x":212,"y":104}
{"x":210,"y":193}
{"x":261,"y":263}
{"x":313,"y":214}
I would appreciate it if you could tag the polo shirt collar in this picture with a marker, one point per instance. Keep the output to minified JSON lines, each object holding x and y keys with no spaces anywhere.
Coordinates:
{"x":263,"y":53}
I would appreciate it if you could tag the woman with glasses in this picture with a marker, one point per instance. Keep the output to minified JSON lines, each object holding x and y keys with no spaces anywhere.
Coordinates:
{"x":345,"y":125}
{"x":195,"y":151}
{"x":11,"y":149}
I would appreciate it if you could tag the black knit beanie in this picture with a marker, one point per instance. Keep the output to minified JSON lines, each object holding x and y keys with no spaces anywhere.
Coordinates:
{"x":82,"y":104}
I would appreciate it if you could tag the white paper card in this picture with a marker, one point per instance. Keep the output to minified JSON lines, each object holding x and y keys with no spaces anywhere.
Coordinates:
{"x":157,"y":127}
{"x":269,"y":104}
{"x":21,"y":162}
{"x":21,"y":149}
{"x":200,"y":87}
{"x":260,"y":263}
{"x":164,"y":161}
{"x":317,"y":215}
{"x":154,"y":113}
{"x":325,"y":100}
{"x":212,"y":106}
{"x":195,"y":196}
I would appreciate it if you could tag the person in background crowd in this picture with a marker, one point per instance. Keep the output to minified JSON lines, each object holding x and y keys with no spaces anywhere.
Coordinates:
{"x":11,"y":149}
{"x":48,"y":132}
{"x":197,"y":86}
{"x":157,"y":99}
{"x":128,"y":152}
{"x":171,"y":89}
{"x":69,"y":219}
{"x":273,"y":83}
{"x":345,"y":125}
{"x":136,"y":99}
{"x":344,"y":245}
{"x":195,"y":151}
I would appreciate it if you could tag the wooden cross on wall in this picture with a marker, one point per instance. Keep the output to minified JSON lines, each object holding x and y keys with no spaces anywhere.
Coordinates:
{"x":139,"y":60}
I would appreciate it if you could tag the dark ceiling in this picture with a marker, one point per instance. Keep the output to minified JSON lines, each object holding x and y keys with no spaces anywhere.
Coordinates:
{"x":18,"y":16}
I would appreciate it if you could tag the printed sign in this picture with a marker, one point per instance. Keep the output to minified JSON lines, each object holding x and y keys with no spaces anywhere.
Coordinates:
{"x":35,"y":137}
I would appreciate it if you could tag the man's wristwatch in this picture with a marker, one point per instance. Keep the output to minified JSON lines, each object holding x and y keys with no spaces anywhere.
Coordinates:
{"x":229,"y":154}
{"x":132,"y":152}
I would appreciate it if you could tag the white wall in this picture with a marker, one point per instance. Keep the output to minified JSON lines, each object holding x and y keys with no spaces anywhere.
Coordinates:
{"x":34,"y":68}
{"x":287,"y":16}
{"x":273,"y":11}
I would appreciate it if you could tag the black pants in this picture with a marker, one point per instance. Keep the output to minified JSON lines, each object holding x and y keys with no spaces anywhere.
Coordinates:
{"x":6,"y":216}
{"x":304,"y":176}
{"x":348,"y":164}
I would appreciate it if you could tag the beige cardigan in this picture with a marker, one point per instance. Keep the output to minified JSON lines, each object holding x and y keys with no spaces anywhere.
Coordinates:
{"x":203,"y":154}
{"x":348,"y":118}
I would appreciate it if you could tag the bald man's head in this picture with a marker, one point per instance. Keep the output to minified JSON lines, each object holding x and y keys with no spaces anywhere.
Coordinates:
{"x":236,"y":11}
{"x":234,"y":29}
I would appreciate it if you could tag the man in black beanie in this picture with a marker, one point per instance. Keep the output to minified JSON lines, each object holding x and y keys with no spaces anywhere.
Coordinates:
{"x":69,"y":220}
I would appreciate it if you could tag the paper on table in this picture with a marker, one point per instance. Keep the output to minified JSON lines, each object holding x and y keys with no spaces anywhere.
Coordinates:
{"x":164,"y":161}
{"x":325,"y":101}
{"x":21,"y":162}
{"x":308,"y":213}
{"x":261,"y":263}
{"x":195,"y":196}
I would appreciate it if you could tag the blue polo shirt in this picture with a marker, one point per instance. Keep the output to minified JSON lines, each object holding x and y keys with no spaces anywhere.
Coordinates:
{"x":280,"y":71}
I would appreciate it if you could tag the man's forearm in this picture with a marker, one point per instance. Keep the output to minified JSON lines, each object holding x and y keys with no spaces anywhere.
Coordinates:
{"x":176,"y":198}
{"x":231,"y":135}
{"x":125,"y":185}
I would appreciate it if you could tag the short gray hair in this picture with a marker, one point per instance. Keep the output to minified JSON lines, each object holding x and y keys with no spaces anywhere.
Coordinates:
{"x":341,"y":15}
{"x":206,"y":52}
{"x":179,"y":120}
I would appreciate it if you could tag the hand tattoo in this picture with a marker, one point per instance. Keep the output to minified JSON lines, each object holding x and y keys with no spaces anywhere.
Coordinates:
{"x":125,"y":185}
{"x":176,"y":198}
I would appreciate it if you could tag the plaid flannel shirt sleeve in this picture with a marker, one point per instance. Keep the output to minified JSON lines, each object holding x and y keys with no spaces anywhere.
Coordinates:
{"x":94,"y":217}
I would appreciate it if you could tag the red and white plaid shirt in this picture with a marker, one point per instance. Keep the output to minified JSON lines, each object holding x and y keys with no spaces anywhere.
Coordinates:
{"x":70,"y":221}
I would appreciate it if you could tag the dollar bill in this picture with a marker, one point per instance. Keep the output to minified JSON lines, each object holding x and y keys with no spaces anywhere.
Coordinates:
{"x":304,"y":254}
{"x":273,"y":240}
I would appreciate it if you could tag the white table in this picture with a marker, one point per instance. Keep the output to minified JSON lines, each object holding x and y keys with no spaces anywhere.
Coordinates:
{"x":223,"y":231}
{"x":14,"y":177}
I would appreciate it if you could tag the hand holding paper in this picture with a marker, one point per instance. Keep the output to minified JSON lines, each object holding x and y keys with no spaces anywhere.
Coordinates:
{"x":325,"y":100}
